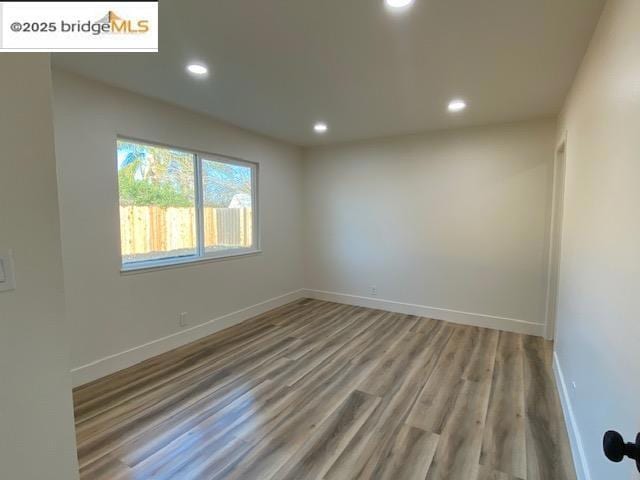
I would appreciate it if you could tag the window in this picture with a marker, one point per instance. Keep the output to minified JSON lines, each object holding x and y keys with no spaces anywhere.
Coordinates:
{"x":178,"y":206}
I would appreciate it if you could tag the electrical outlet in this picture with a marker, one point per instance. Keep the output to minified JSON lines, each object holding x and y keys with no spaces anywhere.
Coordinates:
{"x":182,"y":319}
{"x":374,"y":291}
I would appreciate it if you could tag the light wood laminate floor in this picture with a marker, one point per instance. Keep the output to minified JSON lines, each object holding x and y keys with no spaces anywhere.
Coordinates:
{"x":321,"y":390}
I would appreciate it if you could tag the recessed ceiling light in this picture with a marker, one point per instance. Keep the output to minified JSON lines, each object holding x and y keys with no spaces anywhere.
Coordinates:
{"x":398,"y":3}
{"x":197,"y":69}
{"x":457,"y":105}
{"x":320,"y":127}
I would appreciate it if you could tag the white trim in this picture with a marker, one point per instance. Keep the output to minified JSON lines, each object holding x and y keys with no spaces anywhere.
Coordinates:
{"x":454,"y":316}
{"x":554,"y":247}
{"x":118,"y":361}
{"x":575,"y":439}
{"x":177,"y":262}
{"x":562,"y":143}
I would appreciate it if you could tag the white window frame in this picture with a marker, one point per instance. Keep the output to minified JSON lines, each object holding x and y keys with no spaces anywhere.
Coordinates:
{"x":200,"y":255}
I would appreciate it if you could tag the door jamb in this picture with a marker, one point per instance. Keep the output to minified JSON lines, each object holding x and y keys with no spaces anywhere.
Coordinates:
{"x":555,"y":238}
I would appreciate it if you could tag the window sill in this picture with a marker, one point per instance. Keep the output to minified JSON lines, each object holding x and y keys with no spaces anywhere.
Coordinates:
{"x":153,"y":266}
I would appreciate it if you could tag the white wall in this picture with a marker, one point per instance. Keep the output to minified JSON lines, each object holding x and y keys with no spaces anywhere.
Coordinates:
{"x":598,"y":332}
{"x":37,"y":438}
{"x":456,"y":220}
{"x":111,"y":313}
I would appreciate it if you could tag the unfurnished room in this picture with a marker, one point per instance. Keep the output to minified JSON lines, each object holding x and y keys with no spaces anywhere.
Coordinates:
{"x":320,"y":239}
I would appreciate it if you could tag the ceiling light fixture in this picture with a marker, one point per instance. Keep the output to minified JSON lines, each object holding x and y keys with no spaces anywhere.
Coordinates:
{"x":457,"y":105}
{"x":320,"y":127}
{"x":397,"y":4}
{"x":197,"y":69}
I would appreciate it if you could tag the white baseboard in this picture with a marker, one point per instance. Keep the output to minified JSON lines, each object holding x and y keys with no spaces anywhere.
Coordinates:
{"x":577,"y":450}
{"x":113,"y":363}
{"x":454,"y":316}
{"x":118,"y":361}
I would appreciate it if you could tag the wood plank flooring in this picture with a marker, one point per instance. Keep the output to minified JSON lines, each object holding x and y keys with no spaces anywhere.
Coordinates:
{"x":326,"y":391}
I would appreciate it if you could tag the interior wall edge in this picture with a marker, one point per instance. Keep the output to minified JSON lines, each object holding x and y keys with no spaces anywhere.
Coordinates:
{"x":119,"y":361}
{"x":437,"y":313}
{"x":598,"y":303}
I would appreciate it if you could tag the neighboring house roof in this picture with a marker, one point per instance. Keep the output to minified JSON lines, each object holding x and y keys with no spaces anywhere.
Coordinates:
{"x":240,"y":200}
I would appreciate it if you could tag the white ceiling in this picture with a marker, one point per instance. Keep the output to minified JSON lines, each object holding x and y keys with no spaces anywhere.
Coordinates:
{"x":280,"y":65}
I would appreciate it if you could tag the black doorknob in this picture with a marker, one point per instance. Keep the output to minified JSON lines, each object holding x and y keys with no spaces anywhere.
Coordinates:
{"x":616,"y":449}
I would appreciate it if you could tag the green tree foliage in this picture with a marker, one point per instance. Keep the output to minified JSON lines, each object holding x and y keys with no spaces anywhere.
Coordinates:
{"x":157,"y":176}
{"x":144,"y":192}
{"x":150,"y":175}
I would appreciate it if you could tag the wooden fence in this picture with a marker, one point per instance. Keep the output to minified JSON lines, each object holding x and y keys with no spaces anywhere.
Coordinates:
{"x":144,"y":230}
